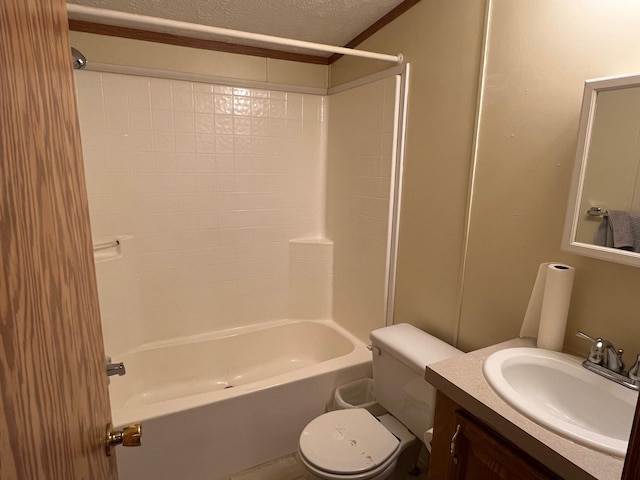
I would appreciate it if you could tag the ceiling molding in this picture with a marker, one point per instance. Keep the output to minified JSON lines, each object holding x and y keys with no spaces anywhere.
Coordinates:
{"x":183,"y":41}
{"x":385,"y":20}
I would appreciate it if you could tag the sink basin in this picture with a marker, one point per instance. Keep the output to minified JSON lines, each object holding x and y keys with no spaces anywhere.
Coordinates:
{"x":554,"y":390}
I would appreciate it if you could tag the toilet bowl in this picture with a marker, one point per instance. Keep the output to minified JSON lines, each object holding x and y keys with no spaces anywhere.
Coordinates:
{"x":353,"y":444}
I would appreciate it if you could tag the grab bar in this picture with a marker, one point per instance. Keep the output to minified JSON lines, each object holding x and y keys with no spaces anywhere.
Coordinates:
{"x":105,"y":245}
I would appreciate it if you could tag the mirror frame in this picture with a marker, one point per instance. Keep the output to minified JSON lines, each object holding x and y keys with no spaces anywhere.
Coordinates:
{"x":569,"y":244}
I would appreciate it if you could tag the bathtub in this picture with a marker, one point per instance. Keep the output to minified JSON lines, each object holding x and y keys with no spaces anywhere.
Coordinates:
{"x":215,"y":404}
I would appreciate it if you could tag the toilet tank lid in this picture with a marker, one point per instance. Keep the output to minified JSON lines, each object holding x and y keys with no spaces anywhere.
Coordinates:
{"x":412,"y":346}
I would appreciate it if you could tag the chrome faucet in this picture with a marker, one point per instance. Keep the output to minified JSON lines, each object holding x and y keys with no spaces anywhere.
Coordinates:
{"x":114,"y":368}
{"x":605,"y":360}
{"x":604,"y":353}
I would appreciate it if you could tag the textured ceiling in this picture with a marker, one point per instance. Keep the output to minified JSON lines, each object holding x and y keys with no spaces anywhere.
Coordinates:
{"x":333,"y":22}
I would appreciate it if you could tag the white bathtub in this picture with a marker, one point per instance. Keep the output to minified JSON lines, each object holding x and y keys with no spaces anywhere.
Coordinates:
{"x":216,"y":404}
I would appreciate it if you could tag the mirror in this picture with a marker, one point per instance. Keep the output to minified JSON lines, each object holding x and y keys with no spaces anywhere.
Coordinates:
{"x":603,"y":215}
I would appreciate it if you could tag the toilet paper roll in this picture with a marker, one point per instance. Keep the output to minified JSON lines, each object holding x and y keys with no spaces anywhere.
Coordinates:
{"x":546,"y":315}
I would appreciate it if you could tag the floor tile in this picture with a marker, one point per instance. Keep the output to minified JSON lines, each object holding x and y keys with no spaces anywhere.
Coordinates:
{"x":289,"y":468}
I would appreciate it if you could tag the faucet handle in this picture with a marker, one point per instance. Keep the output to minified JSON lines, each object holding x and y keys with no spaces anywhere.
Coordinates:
{"x":604,"y":353}
{"x":614,"y":359}
{"x":634,"y":371}
{"x":584,"y":336}
{"x":597,"y":351}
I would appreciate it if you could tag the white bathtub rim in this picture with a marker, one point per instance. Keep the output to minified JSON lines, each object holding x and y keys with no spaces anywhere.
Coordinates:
{"x":232,"y":332}
{"x":360,"y":355}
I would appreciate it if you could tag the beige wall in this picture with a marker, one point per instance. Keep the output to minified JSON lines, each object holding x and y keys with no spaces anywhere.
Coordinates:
{"x":540,"y":53}
{"x":136,"y":53}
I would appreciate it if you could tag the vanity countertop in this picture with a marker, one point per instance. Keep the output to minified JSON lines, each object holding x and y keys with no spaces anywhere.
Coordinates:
{"x":462,"y":380}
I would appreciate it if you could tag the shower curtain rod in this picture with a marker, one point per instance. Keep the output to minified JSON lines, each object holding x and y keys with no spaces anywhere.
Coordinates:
{"x":162,"y":25}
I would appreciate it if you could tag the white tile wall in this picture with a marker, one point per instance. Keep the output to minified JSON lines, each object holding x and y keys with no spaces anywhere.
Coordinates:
{"x":311,"y":279}
{"x":218,"y":197}
{"x":359,"y":171}
{"x":205,"y":185}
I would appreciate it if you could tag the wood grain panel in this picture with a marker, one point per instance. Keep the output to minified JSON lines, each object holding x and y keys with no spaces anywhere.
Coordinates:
{"x":53,"y":398}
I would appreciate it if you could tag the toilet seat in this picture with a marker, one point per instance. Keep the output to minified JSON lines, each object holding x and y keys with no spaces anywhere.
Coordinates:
{"x":380,"y":473}
{"x":348,"y":442}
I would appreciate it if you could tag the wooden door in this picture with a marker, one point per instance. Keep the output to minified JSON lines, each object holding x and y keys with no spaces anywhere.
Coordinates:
{"x":54,"y":405}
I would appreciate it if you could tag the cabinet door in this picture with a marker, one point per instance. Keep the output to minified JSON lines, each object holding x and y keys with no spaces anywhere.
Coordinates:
{"x":465,"y":448}
{"x":477,"y":453}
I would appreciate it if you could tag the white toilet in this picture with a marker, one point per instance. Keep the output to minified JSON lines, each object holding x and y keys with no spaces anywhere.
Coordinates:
{"x":352,"y":444}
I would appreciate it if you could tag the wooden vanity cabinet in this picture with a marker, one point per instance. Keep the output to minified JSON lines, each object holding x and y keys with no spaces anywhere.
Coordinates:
{"x":463,"y":448}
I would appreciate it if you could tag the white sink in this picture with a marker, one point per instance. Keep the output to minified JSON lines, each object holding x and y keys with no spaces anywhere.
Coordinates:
{"x":554,"y":390}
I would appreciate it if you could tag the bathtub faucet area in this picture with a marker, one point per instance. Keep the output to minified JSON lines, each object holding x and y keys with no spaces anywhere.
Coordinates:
{"x":114,"y":368}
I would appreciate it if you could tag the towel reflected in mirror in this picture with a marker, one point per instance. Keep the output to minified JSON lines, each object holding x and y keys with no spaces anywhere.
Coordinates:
{"x":620,"y":230}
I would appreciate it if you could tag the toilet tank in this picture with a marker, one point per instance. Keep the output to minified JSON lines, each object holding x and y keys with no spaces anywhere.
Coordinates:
{"x":400,"y":355}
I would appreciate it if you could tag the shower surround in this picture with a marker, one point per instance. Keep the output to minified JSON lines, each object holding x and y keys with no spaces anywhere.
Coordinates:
{"x":222,"y":204}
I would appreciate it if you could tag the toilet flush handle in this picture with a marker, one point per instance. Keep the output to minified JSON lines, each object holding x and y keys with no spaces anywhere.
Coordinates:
{"x":374,"y":349}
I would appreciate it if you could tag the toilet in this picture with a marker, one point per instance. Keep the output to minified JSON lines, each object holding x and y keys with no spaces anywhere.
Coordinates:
{"x":353,"y":444}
